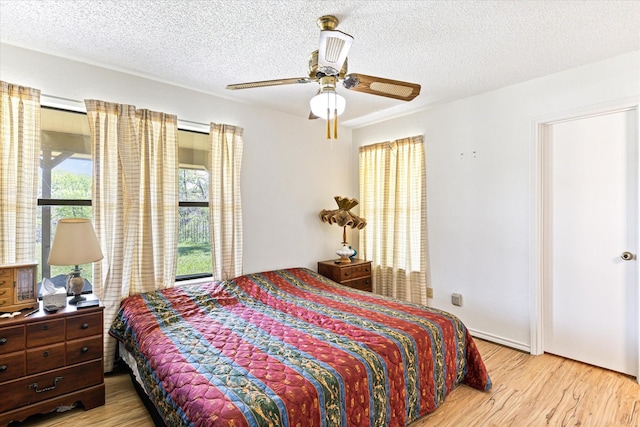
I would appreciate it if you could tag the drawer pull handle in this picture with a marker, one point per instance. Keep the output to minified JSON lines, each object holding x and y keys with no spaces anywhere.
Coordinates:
{"x":84,"y":326}
{"x":34,"y":386}
{"x":45,"y":327}
{"x":45,"y":354}
{"x":3,"y":341}
{"x":84,"y":349}
{"x":3,"y":282}
{"x":4,"y":291}
{"x":3,"y":368}
{"x":346,"y":273}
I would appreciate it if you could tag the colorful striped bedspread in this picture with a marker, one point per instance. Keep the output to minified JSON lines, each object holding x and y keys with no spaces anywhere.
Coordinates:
{"x":292,"y":348}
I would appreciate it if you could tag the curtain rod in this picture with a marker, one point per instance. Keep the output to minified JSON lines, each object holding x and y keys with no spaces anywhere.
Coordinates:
{"x":78,"y":106}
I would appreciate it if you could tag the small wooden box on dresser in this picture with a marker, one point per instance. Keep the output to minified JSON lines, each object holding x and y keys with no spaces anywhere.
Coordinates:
{"x":356,"y":274}
{"x":18,"y":286}
{"x":48,"y":360}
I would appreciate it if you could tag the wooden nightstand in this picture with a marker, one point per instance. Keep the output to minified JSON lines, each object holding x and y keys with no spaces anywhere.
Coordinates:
{"x":48,"y":360}
{"x":356,"y":274}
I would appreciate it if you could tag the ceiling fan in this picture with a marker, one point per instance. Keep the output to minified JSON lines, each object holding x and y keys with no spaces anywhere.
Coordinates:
{"x":328,"y":66}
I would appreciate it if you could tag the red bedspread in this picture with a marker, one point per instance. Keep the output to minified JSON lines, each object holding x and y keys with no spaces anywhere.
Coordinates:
{"x":292,"y":348}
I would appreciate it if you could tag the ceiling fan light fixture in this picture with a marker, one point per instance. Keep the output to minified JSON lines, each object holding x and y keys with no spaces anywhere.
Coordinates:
{"x":327,"y":99}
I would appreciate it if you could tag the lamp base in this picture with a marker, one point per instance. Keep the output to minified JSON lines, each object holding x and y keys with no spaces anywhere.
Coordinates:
{"x":345,"y":252}
{"x":76,"y":299}
{"x":76,"y":284}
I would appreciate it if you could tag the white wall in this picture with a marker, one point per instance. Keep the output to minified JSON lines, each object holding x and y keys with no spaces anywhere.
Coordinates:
{"x":479,"y":206}
{"x":289,"y":171}
{"x":479,"y":189}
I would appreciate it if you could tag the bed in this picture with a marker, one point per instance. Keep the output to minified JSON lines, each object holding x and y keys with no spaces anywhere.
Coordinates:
{"x":292,"y":348}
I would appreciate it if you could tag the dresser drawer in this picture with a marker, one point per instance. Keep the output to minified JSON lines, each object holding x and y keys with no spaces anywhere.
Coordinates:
{"x":5,"y":274}
{"x":11,"y":339}
{"x":36,"y":388}
{"x":84,"y":326}
{"x":45,"y":332}
{"x":12,"y":366}
{"x":45,"y":358}
{"x":84,"y":350}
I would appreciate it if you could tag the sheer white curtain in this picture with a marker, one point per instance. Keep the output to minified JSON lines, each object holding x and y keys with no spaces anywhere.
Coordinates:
{"x":225,"y":203}
{"x":393,"y":200}
{"x":19,"y":155}
{"x":135,"y":204}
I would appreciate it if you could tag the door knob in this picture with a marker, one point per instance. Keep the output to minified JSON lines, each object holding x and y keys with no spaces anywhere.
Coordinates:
{"x":627,"y":256}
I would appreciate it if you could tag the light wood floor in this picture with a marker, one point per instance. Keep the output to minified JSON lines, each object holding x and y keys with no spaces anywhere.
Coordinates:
{"x":527,"y":391}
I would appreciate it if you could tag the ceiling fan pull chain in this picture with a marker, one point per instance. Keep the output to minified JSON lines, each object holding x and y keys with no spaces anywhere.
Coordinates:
{"x":328,"y":123}
{"x":335,"y":123}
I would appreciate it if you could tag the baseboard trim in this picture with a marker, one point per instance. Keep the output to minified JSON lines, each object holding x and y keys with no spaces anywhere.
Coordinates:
{"x":500,"y":340}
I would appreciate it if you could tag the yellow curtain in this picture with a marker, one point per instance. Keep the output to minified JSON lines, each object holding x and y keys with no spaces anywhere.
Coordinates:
{"x":135,"y":204}
{"x":393,"y":200}
{"x":225,"y":204}
{"x":19,"y":155}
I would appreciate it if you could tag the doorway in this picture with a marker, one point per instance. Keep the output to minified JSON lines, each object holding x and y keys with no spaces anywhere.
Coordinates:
{"x":588,"y":249}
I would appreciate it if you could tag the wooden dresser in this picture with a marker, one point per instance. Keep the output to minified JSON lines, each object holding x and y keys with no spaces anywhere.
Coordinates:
{"x":48,"y":360}
{"x":356,"y":274}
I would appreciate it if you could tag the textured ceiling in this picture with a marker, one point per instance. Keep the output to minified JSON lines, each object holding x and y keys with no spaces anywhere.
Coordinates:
{"x":453,"y":49}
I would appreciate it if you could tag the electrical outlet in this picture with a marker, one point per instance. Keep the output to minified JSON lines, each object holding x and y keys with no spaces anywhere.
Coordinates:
{"x":429,"y":292}
{"x":456,"y":299}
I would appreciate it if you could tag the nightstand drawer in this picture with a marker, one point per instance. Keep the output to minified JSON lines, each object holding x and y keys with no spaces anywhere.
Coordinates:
{"x":355,"y":271}
{"x":84,"y":350}
{"x":36,"y":388}
{"x":12,"y":366}
{"x":45,"y":358}
{"x":346,"y":273}
{"x":45,"y":332}
{"x":11,"y":339}
{"x":356,"y":274}
{"x":361,"y":270}
{"x":84,"y":326}
{"x":363,"y":284}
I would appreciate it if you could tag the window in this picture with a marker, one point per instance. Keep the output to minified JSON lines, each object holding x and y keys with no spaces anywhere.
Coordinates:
{"x":64,"y":191}
{"x":64,"y":183}
{"x":394,"y":202}
{"x":194,"y":244}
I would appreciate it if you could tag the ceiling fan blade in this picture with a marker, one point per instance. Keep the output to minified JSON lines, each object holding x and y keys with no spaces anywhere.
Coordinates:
{"x":264,"y":83}
{"x":396,"y":89}
{"x":312,"y":116}
{"x":334,"y":47}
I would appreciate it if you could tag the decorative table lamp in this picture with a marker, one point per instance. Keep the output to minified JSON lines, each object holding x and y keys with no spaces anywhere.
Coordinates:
{"x":344,"y":218}
{"x":75,"y":243}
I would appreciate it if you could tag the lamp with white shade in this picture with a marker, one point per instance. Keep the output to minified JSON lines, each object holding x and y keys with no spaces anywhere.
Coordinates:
{"x":75,"y":243}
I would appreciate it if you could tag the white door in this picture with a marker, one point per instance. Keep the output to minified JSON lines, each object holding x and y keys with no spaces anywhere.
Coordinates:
{"x":590,"y":293}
